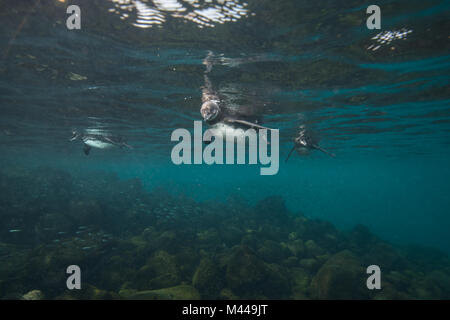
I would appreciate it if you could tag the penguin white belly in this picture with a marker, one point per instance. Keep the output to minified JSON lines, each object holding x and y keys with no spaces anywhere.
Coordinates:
{"x":225,"y":130}
{"x":94,"y":143}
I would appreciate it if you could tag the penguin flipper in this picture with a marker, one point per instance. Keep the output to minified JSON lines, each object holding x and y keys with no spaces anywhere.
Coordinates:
{"x":247,"y":123}
{"x":290,"y":152}
{"x":323,"y":150}
{"x":112,"y":142}
{"x":127,"y":145}
{"x":86,"y":149}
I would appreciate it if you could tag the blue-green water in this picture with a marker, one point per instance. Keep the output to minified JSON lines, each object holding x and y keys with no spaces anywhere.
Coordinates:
{"x":382,"y":108}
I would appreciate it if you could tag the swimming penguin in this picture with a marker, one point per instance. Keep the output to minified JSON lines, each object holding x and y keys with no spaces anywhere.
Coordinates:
{"x":99,"y":141}
{"x":304,"y":142}
{"x":218,"y":116}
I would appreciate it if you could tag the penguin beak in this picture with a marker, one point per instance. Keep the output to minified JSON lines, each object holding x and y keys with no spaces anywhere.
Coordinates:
{"x":208,"y":117}
{"x":211,"y":115}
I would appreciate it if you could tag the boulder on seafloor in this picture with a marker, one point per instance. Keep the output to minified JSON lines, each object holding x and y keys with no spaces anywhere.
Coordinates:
{"x":244,"y":271}
{"x":208,"y":279}
{"x":341,"y":277}
{"x":250,"y":277}
{"x":208,"y":237}
{"x":313,"y":249}
{"x":250,"y":240}
{"x":290,"y":262}
{"x":44,"y":265}
{"x":272,"y":251}
{"x":33,"y":295}
{"x":296,"y":247}
{"x":227,"y":294}
{"x":300,"y":279}
{"x":398,"y":279}
{"x":277,"y":283}
{"x":310,"y":264}
{"x":187,"y":260}
{"x":161,"y":271}
{"x":438,"y":283}
{"x":181,"y":292}
{"x":167,"y":241}
{"x":231,"y":235}
{"x":387,"y":292}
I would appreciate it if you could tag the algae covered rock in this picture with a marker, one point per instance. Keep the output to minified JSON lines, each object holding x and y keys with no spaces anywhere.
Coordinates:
{"x":296,"y":247}
{"x":244,"y":271}
{"x":181,"y":292}
{"x":33,"y":295}
{"x":277,"y":282}
{"x":209,"y":236}
{"x":438,"y":284}
{"x":161,"y":271}
{"x":208,"y":279}
{"x":291,"y":262}
{"x":249,"y":276}
{"x":227,"y":294}
{"x":300,"y":280}
{"x":300,"y":277}
{"x":272,"y":251}
{"x":167,"y":241}
{"x":312,"y":249}
{"x":309,"y":264}
{"x":341,"y":277}
{"x":387,"y":292}
{"x":231,"y":235}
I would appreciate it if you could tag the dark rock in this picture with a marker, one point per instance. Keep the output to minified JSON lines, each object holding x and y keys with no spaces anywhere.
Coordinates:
{"x":245,"y":272}
{"x":301,"y":280}
{"x":272,"y":251}
{"x":231,"y":235}
{"x":310,"y":264}
{"x":227,"y":294}
{"x":208,"y":279}
{"x":33,"y":295}
{"x":291,"y":262}
{"x":277,"y":284}
{"x":167,"y":241}
{"x":161,"y":271}
{"x":312,"y":249}
{"x":341,"y":277}
{"x":296,"y":247}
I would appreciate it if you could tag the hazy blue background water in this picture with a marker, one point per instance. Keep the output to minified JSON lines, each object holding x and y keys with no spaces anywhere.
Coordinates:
{"x":385,"y":112}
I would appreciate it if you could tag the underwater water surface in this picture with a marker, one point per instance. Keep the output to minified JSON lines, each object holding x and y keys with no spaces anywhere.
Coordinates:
{"x":141,"y":227}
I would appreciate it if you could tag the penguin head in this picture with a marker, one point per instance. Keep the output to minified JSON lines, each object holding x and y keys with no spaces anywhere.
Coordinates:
{"x":300,"y":141}
{"x":75,"y":135}
{"x":209,"y":110}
